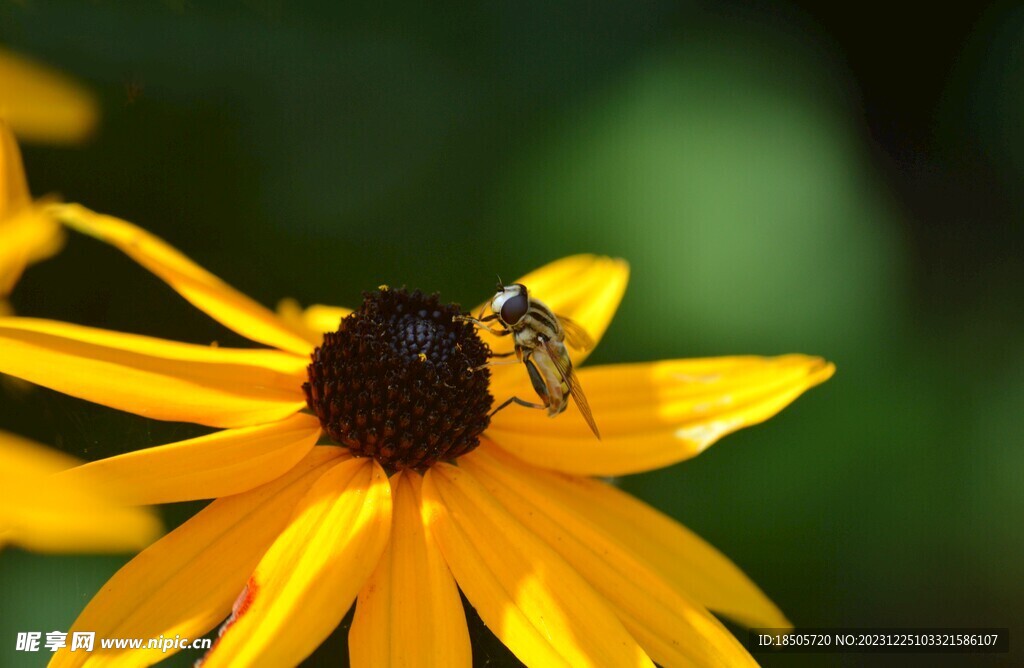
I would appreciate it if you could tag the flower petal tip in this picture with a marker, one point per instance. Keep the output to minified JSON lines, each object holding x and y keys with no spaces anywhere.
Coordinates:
{"x":44,"y":105}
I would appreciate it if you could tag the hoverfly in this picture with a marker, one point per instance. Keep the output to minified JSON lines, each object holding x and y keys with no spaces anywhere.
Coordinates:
{"x":539,"y":335}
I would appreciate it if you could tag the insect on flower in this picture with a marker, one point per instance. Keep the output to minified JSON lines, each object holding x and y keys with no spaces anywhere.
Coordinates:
{"x":416,"y":496}
{"x":539,"y":335}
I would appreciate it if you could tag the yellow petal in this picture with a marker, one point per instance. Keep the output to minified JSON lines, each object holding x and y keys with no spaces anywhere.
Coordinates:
{"x":220,"y":464}
{"x":27,"y":233}
{"x":38,"y":513}
{"x":654,"y":414}
{"x":289,"y":367}
{"x":309,"y":577}
{"x":673,"y":629}
{"x":14,"y":193}
{"x":313,"y":321}
{"x":601,"y":513}
{"x":26,"y":237}
{"x":185,"y":583}
{"x":204,"y":290}
{"x":409,"y":614}
{"x":585,"y":288}
{"x":535,"y":602}
{"x":41,"y":105}
{"x":165,"y":380}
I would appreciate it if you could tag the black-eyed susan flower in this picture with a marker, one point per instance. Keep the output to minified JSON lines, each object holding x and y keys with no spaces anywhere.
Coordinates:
{"x":419,"y":497}
{"x":42,"y":511}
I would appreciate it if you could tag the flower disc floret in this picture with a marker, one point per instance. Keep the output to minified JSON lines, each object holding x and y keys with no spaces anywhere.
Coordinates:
{"x":399,"y":381}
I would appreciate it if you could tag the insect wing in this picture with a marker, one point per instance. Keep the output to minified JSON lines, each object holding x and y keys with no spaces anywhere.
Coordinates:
{"x":575,"y":335}
{"x":564,"y":367}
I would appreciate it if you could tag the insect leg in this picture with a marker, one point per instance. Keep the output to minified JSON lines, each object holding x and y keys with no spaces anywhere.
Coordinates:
{"x":490,"y":364}
{"x":482,"y":324}
{"x":517,"y":400}
{"x":477,"y":320}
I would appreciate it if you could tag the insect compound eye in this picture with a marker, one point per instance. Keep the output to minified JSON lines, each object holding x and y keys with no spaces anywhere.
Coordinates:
{"x":514,"y":309}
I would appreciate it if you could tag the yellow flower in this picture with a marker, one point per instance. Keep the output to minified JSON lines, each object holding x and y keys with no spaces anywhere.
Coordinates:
{"x":563,"y":568}
{"x":27,"y":233}
{"x":37,"y":104}
{"x":38,"y":510}
{"x":42,"y":510}
{"x":43,"y":105}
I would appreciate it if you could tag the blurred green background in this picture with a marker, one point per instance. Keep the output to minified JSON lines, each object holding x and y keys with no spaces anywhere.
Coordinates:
{"x":783,"y":178}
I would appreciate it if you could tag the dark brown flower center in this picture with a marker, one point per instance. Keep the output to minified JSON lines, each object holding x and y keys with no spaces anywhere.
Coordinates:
{"x":395,"y":382}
